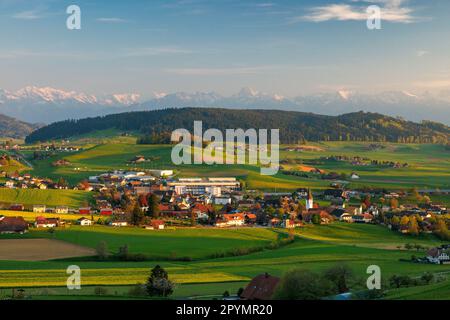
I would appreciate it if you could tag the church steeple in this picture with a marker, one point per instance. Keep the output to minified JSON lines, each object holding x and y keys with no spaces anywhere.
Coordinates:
{"x":309,"y":200}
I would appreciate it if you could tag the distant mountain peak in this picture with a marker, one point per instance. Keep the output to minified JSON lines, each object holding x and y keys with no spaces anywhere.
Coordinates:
{"x":47,"y":104}
{"x":345,"y":94}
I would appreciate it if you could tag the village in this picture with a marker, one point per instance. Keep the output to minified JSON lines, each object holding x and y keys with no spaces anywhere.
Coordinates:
{"x":155,"y":199}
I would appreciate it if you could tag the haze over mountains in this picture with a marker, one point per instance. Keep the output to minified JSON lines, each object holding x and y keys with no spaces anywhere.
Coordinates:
{"x":47,"y":105}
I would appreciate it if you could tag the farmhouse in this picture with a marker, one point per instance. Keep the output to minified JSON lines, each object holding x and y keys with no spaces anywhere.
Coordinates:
{"x":231,"y":219}
{"x":440,"y":255}
{"x":106,"y":211}
{"x":62,"y":210}
{"x":261,"y":287}
{"x":156,"y":225}
{"x":16,"y":207}
{"x":42,"y":222}
{"x":84,"y":222}
{"x":84,"y":211}
{"x":118,"y":223}
{"x":38,"y":208}
{"x":13,"y":225}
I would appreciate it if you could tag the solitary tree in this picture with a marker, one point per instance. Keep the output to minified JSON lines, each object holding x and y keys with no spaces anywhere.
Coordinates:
{"x":413,"y":227}
{"x":158,"y":284}
{"x":339,"y":276}
{"x":137,"y":215}
{"x":153,"y":206}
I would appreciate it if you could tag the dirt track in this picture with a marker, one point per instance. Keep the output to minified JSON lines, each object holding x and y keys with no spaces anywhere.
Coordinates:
{"x":40,"y":250}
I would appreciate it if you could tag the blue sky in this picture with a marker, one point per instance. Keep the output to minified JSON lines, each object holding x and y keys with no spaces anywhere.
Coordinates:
{"x":286,"y":47}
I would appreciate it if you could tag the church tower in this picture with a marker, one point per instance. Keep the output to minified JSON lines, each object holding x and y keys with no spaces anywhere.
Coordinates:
{"x":309,"y":200}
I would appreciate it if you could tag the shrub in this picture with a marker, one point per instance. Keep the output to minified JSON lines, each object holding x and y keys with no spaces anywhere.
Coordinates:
{"x":138,"y":290}
{"x":100,"y":291}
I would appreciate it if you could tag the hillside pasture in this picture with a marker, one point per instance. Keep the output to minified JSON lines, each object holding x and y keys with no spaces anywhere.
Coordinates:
{"x":169,"y":243}
{"x":49,"y":197}
{"x":428,"y":165}
{"x":357,"y":248}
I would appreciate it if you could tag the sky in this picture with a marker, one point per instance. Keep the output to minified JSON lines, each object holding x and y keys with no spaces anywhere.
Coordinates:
{"x":288,"y":47}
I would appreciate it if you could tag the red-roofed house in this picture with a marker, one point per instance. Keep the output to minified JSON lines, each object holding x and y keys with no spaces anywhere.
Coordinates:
{"x":261,"y":287}
{"x":13,"y":225}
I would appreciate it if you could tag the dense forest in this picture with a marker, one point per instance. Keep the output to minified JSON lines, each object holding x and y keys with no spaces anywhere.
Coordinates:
{"x":13,"y":128}
{"x":295,"y":127}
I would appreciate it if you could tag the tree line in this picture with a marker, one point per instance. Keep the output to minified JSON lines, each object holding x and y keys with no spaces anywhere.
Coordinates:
{"x":295,"y":127}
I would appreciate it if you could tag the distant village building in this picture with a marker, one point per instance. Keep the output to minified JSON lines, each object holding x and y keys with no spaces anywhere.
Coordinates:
{"x":62,"y":210}
{"x":16,"y":207}
{"x":439,"y":255}
{"x":309,"y":201}
{"x":39,"y":208}
{"x":84,"y":222}
{"x":118,"y":223}
{"x":156,"y":225}
{"x":198,"y":186}
{"x":84,"y":211}
{"x":42,"y":222}
{"x":222,"y":200}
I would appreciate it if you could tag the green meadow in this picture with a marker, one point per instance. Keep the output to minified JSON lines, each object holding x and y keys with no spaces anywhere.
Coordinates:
{"x":315,"y":248}
{"x":49,"y":197}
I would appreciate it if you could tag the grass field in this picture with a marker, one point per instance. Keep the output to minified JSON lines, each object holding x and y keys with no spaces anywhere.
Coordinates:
{"x":31,"y":216}
{"x":354,"y":245}
{"x":435,"y":291}
{"x":169,"y":243}
{"x":49,"y":197}
{"x":429,"y":165}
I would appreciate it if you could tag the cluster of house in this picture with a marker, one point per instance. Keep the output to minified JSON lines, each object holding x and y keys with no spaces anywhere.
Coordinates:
{"x":61,"y":148}
{"x":119,"y":178}
{"x":27,"y":181}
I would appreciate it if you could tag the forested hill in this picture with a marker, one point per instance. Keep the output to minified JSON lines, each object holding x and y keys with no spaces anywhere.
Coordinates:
{"x":13,"y":128}
{"x":294,"y":126}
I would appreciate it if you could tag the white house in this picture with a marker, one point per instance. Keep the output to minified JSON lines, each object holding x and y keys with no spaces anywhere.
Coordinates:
{"x":354,"y":176}
{"x":84,"y":222}
{"x":62,"y":210}
{"x":118,"y":223}
{"x":438,"y":255}
{"x":9,"y":184}
{"x":222,"y":200}
{"x":346,"y":217}
{"x":38,"y":208}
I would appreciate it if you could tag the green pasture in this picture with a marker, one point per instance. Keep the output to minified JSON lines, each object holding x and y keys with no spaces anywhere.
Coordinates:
{"x":354,"y":245}
{"x":49,"y":197}
{"x":428,"y":165}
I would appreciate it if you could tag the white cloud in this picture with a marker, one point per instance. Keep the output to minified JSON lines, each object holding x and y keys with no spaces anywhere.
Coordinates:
{"x":391,"y":10}
{"x":218,"y":71}
{"x":422,"y":53}
{"x":111,"y":20}
{"x":155,"y":51}
{"x":27,"y":15}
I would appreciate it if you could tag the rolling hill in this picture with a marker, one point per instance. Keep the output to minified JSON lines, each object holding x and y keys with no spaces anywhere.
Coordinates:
{"x":12,"y":128}
{"x":294,"y":127}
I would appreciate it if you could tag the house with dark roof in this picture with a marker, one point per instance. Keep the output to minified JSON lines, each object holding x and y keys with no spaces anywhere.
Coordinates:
{"x":262,"y":287}
{"x":13,"y":225}
{"x":439,"y":255}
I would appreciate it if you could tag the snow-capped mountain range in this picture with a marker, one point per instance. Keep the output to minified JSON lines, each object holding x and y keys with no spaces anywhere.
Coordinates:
{"x":46,"y":105}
